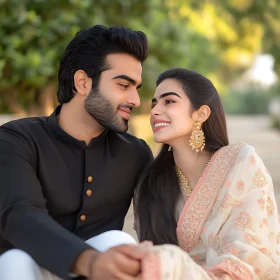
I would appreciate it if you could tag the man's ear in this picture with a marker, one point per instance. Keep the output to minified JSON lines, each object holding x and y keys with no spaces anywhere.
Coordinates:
{"x":82,"y":83}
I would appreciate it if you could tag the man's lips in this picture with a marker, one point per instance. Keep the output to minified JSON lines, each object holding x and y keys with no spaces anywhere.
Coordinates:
{"x":125,"y":112}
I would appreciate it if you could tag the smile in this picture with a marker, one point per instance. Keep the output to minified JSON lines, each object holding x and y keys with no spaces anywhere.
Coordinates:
{"x":161,"y":124}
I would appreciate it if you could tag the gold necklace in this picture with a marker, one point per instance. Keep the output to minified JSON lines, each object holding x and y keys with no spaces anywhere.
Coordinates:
{"x":183,"y":182}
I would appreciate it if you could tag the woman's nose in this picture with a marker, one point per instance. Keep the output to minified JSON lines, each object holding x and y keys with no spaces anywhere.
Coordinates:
{"x":155,"y":111}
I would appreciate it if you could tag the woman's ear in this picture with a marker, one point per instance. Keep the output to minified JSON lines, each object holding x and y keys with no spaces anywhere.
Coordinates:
{"x":82,"y":83}
{"x":202,"y":114}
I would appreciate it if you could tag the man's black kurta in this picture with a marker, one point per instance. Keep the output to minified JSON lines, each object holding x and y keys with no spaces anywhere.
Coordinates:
{"x":56,"y":192}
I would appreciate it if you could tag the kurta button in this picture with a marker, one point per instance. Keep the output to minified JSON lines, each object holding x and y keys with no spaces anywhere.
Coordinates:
{"x":88,"y":192}
{"x":89,"y":179}
{"x":83,"y":218}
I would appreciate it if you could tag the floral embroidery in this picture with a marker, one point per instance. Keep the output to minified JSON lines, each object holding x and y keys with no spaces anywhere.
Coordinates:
{"x":261,"y":203}
{"x":264,"y":223}
{"x":211,"y":237}
{"x":216,"y":241}
{"x":227,"y":183}
{"x":266,"y":252}
{"x":278,"y":238}
{"x":225,"y":248}
{"x":263,"y":250}
{"x":239,"y":204}
{"x":252,"y":159}
{"x":234,"y":251}
{"x":270,"y":207}
{"x":240,"y":185}
{"x":228,"y":201}
{"x":243,"y":221}
{"x":234,"y":268}
{"x":204,"y":229}
{"x":259,"y":178}
{"x":194,"y":218}
{"x":257,"y":271}
{"x":272,"y":236}
{"x":249,"y":239}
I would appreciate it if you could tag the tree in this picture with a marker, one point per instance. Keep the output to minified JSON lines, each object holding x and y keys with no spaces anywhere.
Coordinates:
{"x":34,"y":34}
{"x":218,"y":39}
{"x":239,"y":30}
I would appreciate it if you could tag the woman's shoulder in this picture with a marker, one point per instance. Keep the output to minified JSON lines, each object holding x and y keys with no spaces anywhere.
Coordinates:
{"x":243,"y":157}
{"x":239,"y":149}
{"x":238,"y":155}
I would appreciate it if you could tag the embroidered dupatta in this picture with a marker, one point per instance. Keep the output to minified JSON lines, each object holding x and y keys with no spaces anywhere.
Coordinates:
{"x":228,"y":228}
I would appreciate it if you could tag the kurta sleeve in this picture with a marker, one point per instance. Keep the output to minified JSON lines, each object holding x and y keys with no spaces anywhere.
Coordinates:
{"x":24,"y":219}
{"x":241,"y":236}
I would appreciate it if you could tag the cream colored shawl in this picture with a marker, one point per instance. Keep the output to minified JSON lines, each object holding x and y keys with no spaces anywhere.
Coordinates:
{"x":228,"y":228}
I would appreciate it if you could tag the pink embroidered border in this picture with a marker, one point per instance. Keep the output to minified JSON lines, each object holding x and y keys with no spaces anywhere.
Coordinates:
{"x":197,"y":208}
{"x":235,"y":269}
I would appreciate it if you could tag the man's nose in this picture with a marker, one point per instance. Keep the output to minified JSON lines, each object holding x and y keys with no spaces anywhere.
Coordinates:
{"x":133,"y":98}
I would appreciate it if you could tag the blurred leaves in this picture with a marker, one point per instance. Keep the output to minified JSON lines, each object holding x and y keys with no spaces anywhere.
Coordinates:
{"x":217,"y":38}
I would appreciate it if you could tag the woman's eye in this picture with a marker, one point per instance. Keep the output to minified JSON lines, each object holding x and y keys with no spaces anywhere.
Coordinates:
{"x":169,"y":101}
{"x":153,"y":105}
{"x":124,"y":86}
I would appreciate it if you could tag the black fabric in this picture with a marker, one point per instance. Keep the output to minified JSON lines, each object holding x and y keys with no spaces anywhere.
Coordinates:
{"x":43,"y":184}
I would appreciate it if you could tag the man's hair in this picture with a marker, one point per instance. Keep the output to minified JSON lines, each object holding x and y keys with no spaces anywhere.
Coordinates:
{"x":88,"y":51}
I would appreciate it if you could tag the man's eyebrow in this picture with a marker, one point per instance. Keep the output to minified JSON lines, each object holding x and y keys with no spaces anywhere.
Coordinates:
{"x":130,"y":80}
{"x":166,"y":94}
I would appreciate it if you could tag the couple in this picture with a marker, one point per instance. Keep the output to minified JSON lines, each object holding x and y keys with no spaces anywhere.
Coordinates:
{"x":207,"y":206}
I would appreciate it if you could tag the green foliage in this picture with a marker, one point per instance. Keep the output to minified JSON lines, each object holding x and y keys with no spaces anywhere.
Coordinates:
{"x":238,"y":29}
{"x":275,"y":121}
{"x":218,"y":39}
{"x":275,"y":117}
{"x":251,"y":102}
{"x":33,"y":35}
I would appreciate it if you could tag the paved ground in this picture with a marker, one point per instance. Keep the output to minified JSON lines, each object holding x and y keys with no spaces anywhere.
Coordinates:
{"x":255,"y":131}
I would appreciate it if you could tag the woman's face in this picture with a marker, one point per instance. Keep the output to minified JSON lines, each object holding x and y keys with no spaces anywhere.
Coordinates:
{"x":171,"y":113}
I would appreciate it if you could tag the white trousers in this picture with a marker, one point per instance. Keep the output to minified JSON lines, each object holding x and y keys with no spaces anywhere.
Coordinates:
{"x":16,"y":264}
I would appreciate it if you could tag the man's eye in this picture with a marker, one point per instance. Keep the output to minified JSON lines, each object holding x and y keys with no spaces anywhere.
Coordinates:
{"x":124,"y":86}
{"x":169,"y":101}
{"x":153,"y":105}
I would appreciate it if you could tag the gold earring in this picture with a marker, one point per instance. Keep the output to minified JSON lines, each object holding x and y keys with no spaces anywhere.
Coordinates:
{"x":197,"y":139}
{"x":169,"y":149}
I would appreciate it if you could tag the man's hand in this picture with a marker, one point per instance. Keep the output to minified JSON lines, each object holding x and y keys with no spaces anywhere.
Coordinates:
{"x":121,"y":262}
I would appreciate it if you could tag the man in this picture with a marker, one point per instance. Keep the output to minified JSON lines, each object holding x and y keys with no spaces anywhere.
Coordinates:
{"x":71,"y":176}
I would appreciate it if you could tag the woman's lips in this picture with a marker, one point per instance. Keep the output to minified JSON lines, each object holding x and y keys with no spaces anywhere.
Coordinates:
{"x":160,"y":124}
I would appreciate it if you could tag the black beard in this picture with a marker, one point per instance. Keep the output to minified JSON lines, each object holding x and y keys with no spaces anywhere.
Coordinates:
{"x":101,"y":109}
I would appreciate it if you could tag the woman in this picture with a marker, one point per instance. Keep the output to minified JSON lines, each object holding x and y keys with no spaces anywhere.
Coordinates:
{"x":214,"y":200}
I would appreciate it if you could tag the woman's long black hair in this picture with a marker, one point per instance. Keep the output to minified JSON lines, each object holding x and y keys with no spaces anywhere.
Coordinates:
{"x":158,"y":190}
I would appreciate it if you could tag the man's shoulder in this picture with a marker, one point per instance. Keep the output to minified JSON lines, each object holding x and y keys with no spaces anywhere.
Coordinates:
{"x":24,"y":126}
